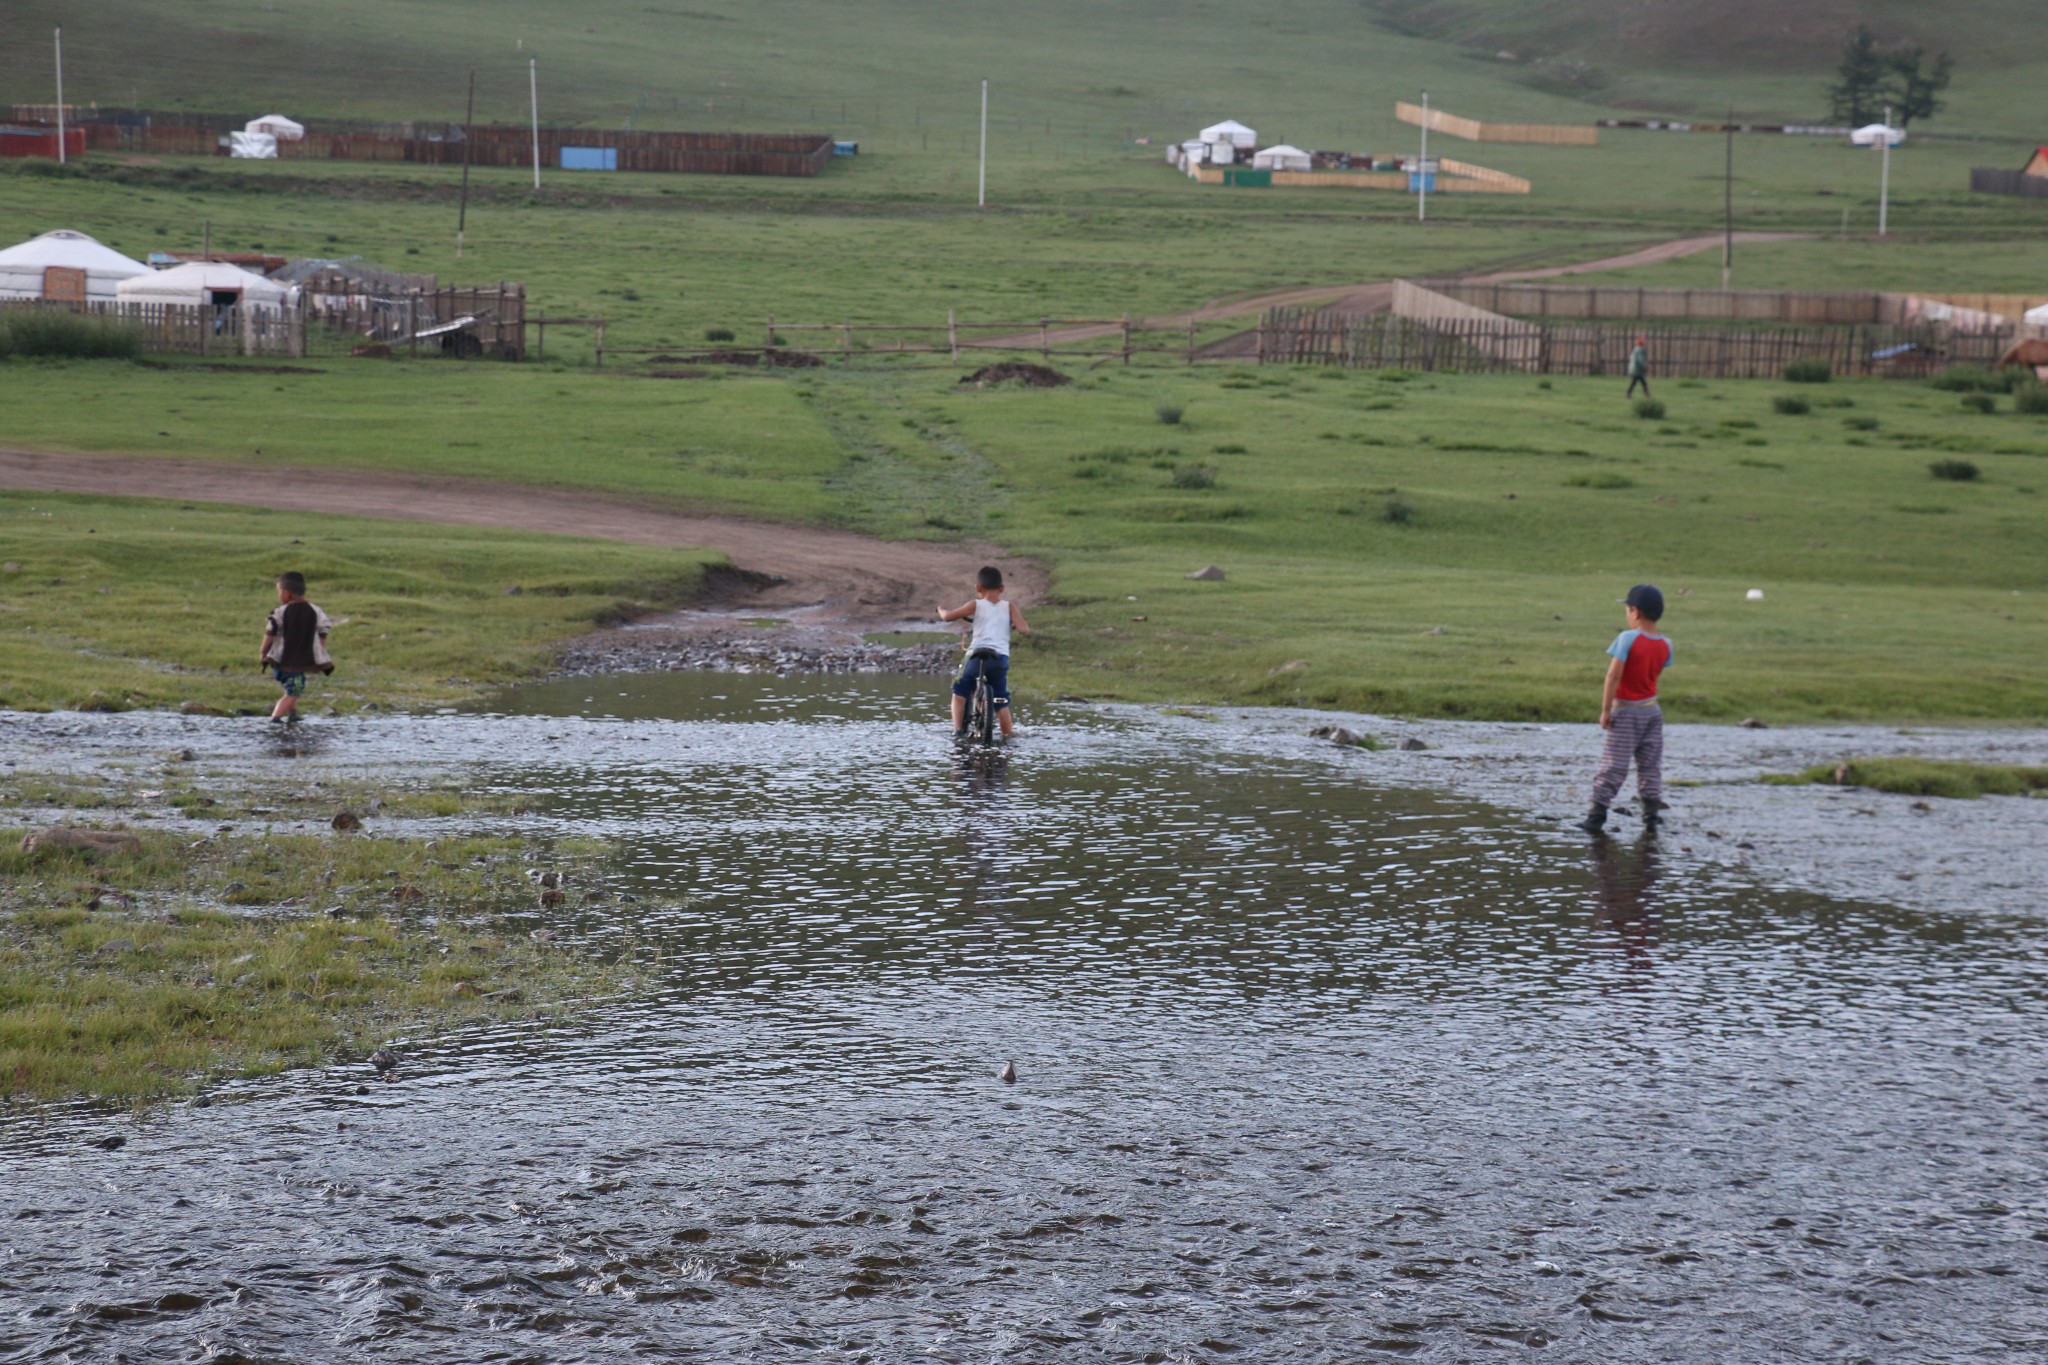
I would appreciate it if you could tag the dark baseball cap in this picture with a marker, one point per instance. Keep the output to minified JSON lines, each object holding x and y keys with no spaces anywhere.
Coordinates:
{"x":1646,"y":599}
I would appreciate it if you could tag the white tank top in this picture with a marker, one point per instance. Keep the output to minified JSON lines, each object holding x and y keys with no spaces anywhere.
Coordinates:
{"x":991,"y":626}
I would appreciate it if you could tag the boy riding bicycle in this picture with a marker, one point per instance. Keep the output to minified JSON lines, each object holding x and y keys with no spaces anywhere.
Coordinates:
{"x":988,"y":649}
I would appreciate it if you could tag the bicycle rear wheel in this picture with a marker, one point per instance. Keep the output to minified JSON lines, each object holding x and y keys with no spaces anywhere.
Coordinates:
{"x":984,"y":726}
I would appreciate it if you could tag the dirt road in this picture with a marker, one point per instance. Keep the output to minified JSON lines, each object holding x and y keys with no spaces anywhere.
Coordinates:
{"x":1373,"y":297}
{"x":831,"y":581}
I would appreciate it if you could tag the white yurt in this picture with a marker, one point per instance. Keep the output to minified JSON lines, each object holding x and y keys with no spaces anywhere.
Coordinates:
{"x":278,"y":126}
{"x":198,"y":283}
{"x":64,"y":265}
{"x":2036,"y":317}
{"x":1231,"y":133}
{"x":1876,"y":134}
{"x":1282,"y":158}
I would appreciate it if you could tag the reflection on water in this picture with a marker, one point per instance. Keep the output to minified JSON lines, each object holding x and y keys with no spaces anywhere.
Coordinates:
{"x":1308,"y":1069}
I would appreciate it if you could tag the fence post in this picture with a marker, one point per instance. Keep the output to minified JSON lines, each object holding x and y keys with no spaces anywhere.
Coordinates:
{"x":1045,"y":339}
{"x":845,"y":340}
{"x":952,"y":336}
{"x":1127,"y":338}
{"x":771,"y":331}
{"x":1191,"y":341}
{"x":600,"y":343}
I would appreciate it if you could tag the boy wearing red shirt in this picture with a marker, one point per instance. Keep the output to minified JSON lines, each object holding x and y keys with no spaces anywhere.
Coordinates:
{"x":1629,"y":712}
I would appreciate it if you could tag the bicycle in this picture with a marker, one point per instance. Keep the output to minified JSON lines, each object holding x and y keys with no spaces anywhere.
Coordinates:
{"x":981,"y":709}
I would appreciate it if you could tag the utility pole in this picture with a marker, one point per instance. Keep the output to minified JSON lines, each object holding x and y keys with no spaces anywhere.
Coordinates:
{"x":533,"y":87}
{"x":1884,"y":175}
{"x":1728,"y":205}
{"x":981,"y":191}
{"x":60,"y":95}
{"x":1422,"y":167}
{"x":468,"y":140}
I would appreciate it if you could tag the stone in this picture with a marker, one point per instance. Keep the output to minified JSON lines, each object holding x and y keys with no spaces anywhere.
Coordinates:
{"x":1752,"y":723}
{"x":552,"y":897}
{"x":1412,"y":744}
{"x":1208,"y":573}
{"x":92,"y":842}
{"x":1340,"y":735}
{"x":346,"y":820}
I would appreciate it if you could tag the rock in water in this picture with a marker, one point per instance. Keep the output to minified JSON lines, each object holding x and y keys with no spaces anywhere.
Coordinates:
{"x":346,"y":820}
{"x":110,"y":1144}
{"x":1411,"y":744}
{"x":1339,"y":735}
{"x":1752,"y":723}
{"x":1207,"y":574}
{"x":89,"y":841}
{"x":384,"y":1061}
{"x":1008,"y":1075}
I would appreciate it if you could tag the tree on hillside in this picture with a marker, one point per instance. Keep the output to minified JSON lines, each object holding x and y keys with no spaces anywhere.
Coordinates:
{"x":1914,"y":84}
{"x":1857,"y":94}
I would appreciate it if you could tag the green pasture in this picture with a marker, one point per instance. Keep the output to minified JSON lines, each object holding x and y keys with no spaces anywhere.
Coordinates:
{"x":112,"y":603}
{"x":1354,"y":513}
{"x":1063,"y":70}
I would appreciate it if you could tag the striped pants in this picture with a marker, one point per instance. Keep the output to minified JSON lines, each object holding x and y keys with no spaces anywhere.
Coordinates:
{"x":1638,"y":737}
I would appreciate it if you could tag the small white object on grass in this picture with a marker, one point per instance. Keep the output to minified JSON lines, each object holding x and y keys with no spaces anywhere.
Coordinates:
{"x":1755,"y":594}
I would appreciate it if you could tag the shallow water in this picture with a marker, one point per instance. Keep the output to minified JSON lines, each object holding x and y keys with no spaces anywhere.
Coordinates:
{"x":1307,"y":1070}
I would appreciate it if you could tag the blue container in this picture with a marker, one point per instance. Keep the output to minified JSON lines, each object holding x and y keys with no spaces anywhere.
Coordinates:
{"x":1418,"y":182}
{"x":590,"y":158}
{"x":846,"y":149}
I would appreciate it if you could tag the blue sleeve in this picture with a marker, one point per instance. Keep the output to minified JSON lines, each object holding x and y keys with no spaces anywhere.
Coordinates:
{"x":1622,"y":644}
{"x":1670,"y":652}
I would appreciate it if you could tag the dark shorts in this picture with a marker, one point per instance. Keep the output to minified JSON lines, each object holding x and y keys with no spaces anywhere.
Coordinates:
{"x":998,"y":670}
{"x":294,"y":684}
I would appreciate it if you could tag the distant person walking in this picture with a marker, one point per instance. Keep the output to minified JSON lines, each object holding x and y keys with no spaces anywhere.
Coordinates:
{"x":294,"y":644}
{"x":1639,"y":368}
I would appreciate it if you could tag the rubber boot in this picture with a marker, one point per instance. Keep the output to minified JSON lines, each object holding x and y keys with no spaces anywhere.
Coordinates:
{"x":1596,"y":820}
{"x":1653,"y":815}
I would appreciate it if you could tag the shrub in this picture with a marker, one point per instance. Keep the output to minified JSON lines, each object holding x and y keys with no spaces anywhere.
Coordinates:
{"x":1955,"y":471}
{"x":2030,"y":398}
{"x":1603,"y":479}
{"x":1193,"y":476}
{"x":1980,"y":402}
{"x":1230,"y":449}
{"x":1649,"y":409}
{"x":1169,"y":413}
{"x":1860,"y":423}
{"x":1791,"y":404}
{"x":718,"y":334}
{"x":1809,"y":371}
{"x":1397,"y":511}
{"x":1543,"y":383}
{"x":47,"y":332}
{"x":1961,"y":379}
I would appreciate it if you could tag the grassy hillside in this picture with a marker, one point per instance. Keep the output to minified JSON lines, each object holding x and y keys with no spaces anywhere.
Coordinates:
{"x":1090,"y":73}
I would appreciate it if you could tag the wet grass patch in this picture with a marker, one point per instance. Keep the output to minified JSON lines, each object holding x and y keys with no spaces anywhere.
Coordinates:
{"x":146,"y":971}
{"x":1948,"y":778}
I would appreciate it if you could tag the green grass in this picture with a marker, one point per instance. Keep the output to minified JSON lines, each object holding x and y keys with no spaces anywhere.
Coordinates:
{"x":135,"y":975}
{"x":116,"y":603}
{"x":1925,"y":777}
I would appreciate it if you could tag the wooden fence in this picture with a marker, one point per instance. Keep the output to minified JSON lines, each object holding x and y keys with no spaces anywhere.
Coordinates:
{"x":1488,"y":345}
{"x":1455,"y":177}
{"x":1988,"y":180}
{"x":198,"y":329}
{"x":775,"y":154}
{"x":1670,"y":304}
{"x":1473,"y":130}
{"x":351,"y":321}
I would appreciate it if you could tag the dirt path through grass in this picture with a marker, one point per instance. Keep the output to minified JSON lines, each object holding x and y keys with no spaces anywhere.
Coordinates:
{"x":832,"y":580}
{"x":1372,"y":297}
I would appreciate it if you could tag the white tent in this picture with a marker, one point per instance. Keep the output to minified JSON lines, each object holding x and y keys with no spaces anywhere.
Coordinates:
{"x":1232,"y":132}
{"x":1875,"y":134}
{"x":2036,"y":317}
{"x":85,"y":269}
{"x":203,"y":282}
{"x":252,"y":146}
{"x":1282,"y":158}
{"x":278,"y":126}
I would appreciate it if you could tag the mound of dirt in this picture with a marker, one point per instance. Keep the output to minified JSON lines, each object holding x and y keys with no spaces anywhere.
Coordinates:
{"x":775,"y":359}
{"x":1032,"y":376}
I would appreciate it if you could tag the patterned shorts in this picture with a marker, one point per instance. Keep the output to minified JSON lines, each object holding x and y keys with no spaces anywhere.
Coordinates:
{"x":294,"y":684}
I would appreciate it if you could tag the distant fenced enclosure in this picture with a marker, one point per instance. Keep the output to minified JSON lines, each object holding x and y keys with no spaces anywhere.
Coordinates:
{"x":1985,"y":180}
{"x":191,"y":329}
